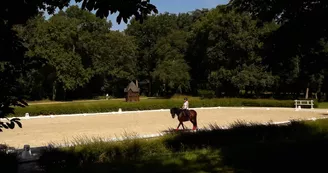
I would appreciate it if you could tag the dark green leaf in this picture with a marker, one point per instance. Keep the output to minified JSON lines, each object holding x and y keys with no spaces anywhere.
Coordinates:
{"x":15,"y":119}
{"x":11,"y":125}
{"x":19,"y":124}
{"x":4,"y":126}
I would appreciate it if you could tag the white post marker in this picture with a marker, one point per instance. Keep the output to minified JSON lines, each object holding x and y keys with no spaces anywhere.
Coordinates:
{"x":120,"y":110}
{"x":27,"y":154}
{"x":27,"y":115}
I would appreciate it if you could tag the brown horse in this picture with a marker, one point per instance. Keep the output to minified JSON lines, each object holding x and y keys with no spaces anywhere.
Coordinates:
{"x":182,"y":117}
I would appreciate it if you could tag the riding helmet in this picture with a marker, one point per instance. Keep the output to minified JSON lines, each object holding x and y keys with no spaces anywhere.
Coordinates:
{"x":185,"y":98}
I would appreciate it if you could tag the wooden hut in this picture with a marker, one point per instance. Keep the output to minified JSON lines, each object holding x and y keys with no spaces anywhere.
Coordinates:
{"x":131,"y":92}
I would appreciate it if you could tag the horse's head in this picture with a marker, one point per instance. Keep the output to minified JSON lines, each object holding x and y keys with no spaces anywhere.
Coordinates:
{"x":173,"y":111}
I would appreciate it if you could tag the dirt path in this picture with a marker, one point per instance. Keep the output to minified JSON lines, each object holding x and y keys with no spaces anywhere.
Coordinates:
{"x":37,"y":132}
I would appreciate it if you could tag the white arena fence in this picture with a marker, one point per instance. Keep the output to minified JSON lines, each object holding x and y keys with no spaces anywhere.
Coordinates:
{"x":163,"y":110}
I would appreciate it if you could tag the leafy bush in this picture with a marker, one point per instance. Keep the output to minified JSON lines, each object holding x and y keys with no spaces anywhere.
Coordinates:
{"x":243,"y":148}
{"x":147,"y":104}
{"x":8,"y":162}
{"x":206,"y":94}
{"x":88,"y":151}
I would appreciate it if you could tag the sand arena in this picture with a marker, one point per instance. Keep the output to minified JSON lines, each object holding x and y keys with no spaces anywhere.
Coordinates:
{"x":39,"y":132}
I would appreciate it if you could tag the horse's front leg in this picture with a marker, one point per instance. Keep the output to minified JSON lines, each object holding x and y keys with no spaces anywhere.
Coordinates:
{"x":178,"y":126}
{"x":183,"y":125}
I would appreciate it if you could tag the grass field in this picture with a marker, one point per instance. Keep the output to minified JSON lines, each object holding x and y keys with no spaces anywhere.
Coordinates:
{"x":297,"y":147}
{"x":323,"y":105}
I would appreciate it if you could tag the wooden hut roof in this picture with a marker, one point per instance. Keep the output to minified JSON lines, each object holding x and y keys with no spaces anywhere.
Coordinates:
{"x":131,"y":86}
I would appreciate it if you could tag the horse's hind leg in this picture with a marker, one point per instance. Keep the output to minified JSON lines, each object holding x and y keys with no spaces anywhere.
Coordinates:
{"x":194,"y":123}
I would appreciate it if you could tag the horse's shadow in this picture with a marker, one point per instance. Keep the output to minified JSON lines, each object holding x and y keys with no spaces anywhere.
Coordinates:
{"x":172,"y":130}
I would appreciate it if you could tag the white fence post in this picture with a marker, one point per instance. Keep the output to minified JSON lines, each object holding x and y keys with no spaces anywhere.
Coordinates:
{"x":295,"y":104}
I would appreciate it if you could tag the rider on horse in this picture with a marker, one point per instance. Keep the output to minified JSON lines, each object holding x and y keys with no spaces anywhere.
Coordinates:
{"x":185,"y":107}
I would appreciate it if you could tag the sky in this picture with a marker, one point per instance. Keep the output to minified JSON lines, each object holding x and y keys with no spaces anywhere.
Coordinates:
{"x":171,"y":6}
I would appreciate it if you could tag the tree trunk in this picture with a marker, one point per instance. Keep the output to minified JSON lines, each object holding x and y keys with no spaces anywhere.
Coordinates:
{"x":64,"y":94}
{"x":54,"y":91}
{"x":307,"y":93}
{"x":149,"y":88}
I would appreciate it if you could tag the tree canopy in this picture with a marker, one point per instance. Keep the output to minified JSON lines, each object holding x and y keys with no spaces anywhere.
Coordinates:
{"x":15,"y":64}
{"x":223,"y":50}
{"x":297,"y":49}
{"x":258,"y":49}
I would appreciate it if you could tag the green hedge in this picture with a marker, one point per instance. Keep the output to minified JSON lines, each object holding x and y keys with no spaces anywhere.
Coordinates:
{"x":147,"y":104}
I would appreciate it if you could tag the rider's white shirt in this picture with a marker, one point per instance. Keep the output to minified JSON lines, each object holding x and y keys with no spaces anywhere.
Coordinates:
{"x":186,"y":105}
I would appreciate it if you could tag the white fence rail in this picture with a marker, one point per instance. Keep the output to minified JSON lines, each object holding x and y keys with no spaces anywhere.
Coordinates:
{"x":299,"y":103}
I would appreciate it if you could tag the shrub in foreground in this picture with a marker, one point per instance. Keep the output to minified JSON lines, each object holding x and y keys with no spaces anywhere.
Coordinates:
{"x":243,"y":148}
{"x":149,"y":104}
{"x":8,"y":162}
{"x":84,"y":153}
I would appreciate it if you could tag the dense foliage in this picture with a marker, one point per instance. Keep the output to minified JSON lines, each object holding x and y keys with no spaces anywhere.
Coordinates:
{"x":79,"y":50}
{"x":16,"y":66}
{"x":213,"y":53}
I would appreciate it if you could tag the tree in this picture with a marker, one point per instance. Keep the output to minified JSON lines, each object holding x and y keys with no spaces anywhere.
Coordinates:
{"x":196,"y":52}
{"x":79,"y":37}
{"x":232,"y":45}
{"x":13,"y":62}
{"x":297,"y":41}
{"x":65,"y":42}
{"x":146,"y":36}
{"x":119,"y":64}
{"x":171,"y":68}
